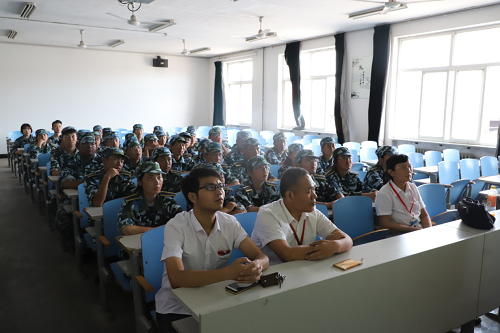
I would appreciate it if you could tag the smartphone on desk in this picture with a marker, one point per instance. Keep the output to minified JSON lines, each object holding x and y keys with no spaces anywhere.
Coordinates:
{"x":236,"y":288}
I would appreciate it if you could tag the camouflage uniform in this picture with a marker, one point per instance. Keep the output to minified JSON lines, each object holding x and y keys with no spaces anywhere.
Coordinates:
{"x":247,"y":196}
{"x":287,"y":164}
{"x":20,"y":142}
{"x":324,"y":191}
{"x":374,"y":179}
{"x":139,"y":126}
{"x":188,"y":154}
{"x":216,"y":147}
{"x":324,"y":165}
{"x":183,"y":164}
{"x":172,"y":179}
{"x":34,"y":150}
{"x":54,"y":141}
{"x":350,"y":185}
{"x":272,"y":155}
{"x":128,"y":166}
{"x":199,"y":159}
{"x":235,"y":155}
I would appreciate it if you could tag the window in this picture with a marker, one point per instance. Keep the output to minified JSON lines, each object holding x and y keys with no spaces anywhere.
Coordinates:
{"x":447,"y":84}
{"x":239,"y":92}
{"x":317,"y":70}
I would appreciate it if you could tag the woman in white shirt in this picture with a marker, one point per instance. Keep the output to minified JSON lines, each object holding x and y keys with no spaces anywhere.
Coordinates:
{"x":398,"y":204}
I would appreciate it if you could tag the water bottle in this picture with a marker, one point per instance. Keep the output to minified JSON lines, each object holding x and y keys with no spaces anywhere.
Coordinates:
{"x":491,"y":202}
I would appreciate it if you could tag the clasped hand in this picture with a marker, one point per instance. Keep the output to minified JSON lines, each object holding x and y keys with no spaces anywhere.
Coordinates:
{"x":245,"y":271}
{"x":320,"y":249}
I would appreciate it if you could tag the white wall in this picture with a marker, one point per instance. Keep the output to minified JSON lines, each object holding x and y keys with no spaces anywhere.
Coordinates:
{"x":88,"y":87}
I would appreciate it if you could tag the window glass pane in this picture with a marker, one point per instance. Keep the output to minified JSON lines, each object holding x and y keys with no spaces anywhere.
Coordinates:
{"x":286,"y":70}
{"x":247,"y":71}
{"x":432,"y":111}
{"x":233,"y":104}
{"x":425,"y":52}
{"x":323,"y":63}
{"x":305,"y":64}
{"x":318,"y":100}
{"x":491,"y":106}
{"x":246,"y":104}
{"x":288,"y":119}
{"x":467,"y":106}
{"x":475,"y":47}
{"x":234,"y":72}
{"x":407,"y":104}
{"x":330,"y":105}
{"x":305,"y":101}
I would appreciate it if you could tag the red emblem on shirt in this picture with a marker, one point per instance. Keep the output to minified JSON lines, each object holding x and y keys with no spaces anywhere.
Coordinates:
{"x":222,"y":253}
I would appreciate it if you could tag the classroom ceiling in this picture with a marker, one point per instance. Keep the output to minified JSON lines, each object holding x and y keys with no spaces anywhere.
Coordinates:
{"x":202,"y":23}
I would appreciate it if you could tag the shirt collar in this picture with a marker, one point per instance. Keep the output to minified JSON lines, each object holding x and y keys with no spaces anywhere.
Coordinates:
{"x":197,"y":225}
{"x":288,"y":217}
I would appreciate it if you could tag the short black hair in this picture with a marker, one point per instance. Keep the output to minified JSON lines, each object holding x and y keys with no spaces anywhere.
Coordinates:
{"x":26,"y":125}
{"x":390,"y":164}
{"x":290,"y":180}
{"x":191,"y":182}
{"x":56,"y":122}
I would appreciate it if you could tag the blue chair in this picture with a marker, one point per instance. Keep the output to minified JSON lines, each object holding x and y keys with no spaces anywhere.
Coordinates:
{"x":434,"y":197}
{"x":13,"y":135}
{"x":432,"y":157}
{"x":274,"y":169}
{"x":417,"y":161}
{"x":247,"y":221}
{"x":322,"y":208}
{"x":449,"y":175}
{"x":353,"y":145}
{"x":83,"y":202}
{"x":308,"y":138}
{"x":477,"y":186}
{"x":451,"y":155}
{"x":489,"y":166}
{"x":357,"y":166}
{"x":469,"y":168}
{"x":316,"y":149}
{"x":181,"y":200}
{"x":354,"y":215}
{"x":203,"y":131}
{"x":316,"y":142}
{"x":367,"y":154}
{"x":288,"y":135}
{"x":175,"y":130}
{"x":369,"y":144}
{"x":362,"y":175}
{"x":262,"y":141}
{"x":445,"y":217}
{"x":405,"y":149}
{"x":355,"y":156}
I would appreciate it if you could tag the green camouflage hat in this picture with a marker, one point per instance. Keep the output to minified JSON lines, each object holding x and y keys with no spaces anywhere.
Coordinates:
{"x":250,"y":142}
{"x":157,"y":128}
{"x":243,"y":135}
{"x":132,"y":142}
{"x":68,"y":130}
{"x":191,"y":129}
{"x":96,"y":133}
{"x":176,"y":138}
{"x":202,"y":144}
{"x":212,"y":165}
{"x":159,"y":133}
{"x":215,"y":130}
{"x":212,"y":146}
{"x":97,"y":128}
{"x":304,"y":153}
{"x":128,"y":136}
{"x":138,"y":126}
{"x":41,"y":131}
{"x":87,"y":137}
{"x":111,"y":135}
{"x":148,"y":167}
{"x":113,"y":151}
{"x":279,"y":136}
{"x":160,"y":151}
{"x":341,"y":151}
{"x":326,"y":140}
{"x":255,"y":161}
{"x":106,"y":129}
{"x":295,"y":147}
{"x":385,"y":150}
{"x":150,"y":137}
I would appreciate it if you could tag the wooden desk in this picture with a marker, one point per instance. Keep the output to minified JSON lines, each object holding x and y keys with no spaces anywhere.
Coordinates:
{"x":430,"y":171}
{"x":425,"y":281}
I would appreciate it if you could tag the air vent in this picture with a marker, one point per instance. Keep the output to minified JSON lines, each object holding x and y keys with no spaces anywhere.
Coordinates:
{"x":12,"y":34}
{"x":28,"y":10}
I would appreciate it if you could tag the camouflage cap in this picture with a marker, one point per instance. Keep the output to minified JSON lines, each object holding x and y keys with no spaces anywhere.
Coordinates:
{"x":202,"y":144}
{"x":341,"y":151}
{"x":385,"y":150}
{"x":87,"y":137}
{"x":304,"y":153}
{"x":111,"y":135}
{"x":68,"y":130}
{"x":96,"y":133}
{"x":279,"y":136}
{"x":215,"y":130}
{"x":255,"y":161}
{"x":148,"y":167}
{"x":191,"y":129}
{"x":212,"y":146}
{"x":160,"y":151}
{"x":150,"y":137}
{"x":41,"y":131}
{"x":295,"y":147}
{"x":132,"y":142}
{"x":159,"y":133}
{"x":97,"y":128}
{"x":326,"y":140}
{"x":243,"y":135}
{"x":185,"y":135}
{"x":250,"y":142}
{"x":176,"y":138}
{"x":138,"y":126}
{"x":157,"y":128}
{"x":113,"y":151}
{"x":128,"y":136}
{"x":213,"y":165}
{"x":106,"y":129}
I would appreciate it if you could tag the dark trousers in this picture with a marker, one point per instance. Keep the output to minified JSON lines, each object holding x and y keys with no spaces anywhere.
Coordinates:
{"x":165,"y":321}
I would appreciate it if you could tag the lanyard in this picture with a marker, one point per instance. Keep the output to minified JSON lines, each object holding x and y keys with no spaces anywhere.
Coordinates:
{"x":295,"y":234}
{"x":412,"y":199}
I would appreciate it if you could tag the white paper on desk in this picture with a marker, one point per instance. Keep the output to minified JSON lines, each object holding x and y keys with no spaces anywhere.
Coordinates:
{"x":132,"y":241}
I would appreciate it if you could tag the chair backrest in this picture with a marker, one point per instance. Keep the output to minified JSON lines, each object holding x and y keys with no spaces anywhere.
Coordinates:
{"x":458,"y":190}
{"x":247,"y":221}
{"x":288,"y":135}
{"x":181,"y":200}
{"x":203,"y":131}
{"x":445,"y":217}
{"x":13,"y":135}
{"x":110,"y":211}
{"x":355,"y":156}
{"x":262,"y":141}
{"x":316,"y":142}
{"x":322,"y":208}
{"x":405,"y":149}
{"x":434,"y":197}
{"x":416,"y":159}
{"x":369,"y":144}
{"x":448,"y":172}
{"x":451,"y":155}
{"x":361,"y":175}
{"x":26,"y":147}
{"x":367,"y":154}
{"x":477,"y":187}
{"x":274,"y":169}
{"x":489,"y":166}
{"x":469,"y":168}
{"x":357,"y":166}
{"x":43,"y":159}
{"x":83,"y":202}
{"x":316,"y":149}
{"x":152,"y":248}
{"x":354,"y":215}
{"x":353,"y":145}
{"x":308,"y":138}
{"x":51,"y":185}
{"x":432,"y":157}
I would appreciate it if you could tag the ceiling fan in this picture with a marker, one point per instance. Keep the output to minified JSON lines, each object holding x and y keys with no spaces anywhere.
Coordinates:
{"x":388,"y":6}
{"x":186,"y":52}
{"x":82,"y":44}
{"x":262,"y":34}
{"x":133,"y":19}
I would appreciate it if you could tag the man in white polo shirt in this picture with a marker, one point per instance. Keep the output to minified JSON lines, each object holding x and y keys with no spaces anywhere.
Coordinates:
{"x":286,"y":229}
{"x":198,"y":245}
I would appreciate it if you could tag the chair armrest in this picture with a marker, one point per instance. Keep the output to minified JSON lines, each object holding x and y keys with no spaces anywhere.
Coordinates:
{"x":78,"y":214}
{"x":144,"y":284}
{"x":371,"y":232}
{"x":104,"y":241}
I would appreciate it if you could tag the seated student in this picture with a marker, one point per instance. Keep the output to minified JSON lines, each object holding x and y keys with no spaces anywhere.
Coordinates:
{"x":133,"y":151}
{"x":289,"y":161}
{"x":138,"y":130}
{"x":150,"y":144}
{"x":162,"y":138}
{"x":250,"y":149}
{"x":24,"y":139}
{"x":99,"y":129}
{"x":105,"y":132}
{"x":41,"y":146}
{"x":341,"y":176}
{"x":157,"y":128}
{"x":280,"y":224}
{"x":148,"y":207}
{"x":112,"y":139}
{"x":215,"y":134}
{"x":56,"y":127}
{"x":193,"y":145}
{"x":214,"y":154}
{"x":129,"y":136}
{"x":278,"y":153}
{"x":188,"y":236}
{"x":110,"y":182}
{"x":256,"y":191}
{"x":326,"y":159}
{"x":326,"y":193}
{"x":171,"y":178}
{"x":187,"y":155}
{"x":200,"y":158}
{"x":398,"y":204}
{"x":66,"y":151}
{"x":374,"y":178}
{"x":236,"y":153}
{"x":178,"y":146}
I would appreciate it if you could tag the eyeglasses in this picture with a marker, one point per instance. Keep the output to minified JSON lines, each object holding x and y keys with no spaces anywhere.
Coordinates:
{"x":345,"y":157}
{"x":405,"y":168}
{"x":262,"y":168}
{"x":213,"y":187}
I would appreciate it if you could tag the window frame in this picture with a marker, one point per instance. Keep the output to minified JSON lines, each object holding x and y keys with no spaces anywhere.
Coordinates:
{"x":241,"y":82}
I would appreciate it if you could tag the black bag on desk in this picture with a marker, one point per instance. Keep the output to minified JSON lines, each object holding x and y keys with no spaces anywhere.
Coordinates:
{"x":474,"y":214}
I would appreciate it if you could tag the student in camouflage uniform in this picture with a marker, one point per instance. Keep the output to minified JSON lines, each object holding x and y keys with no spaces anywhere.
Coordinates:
{"x":99,"y":129}
{"x":187,"y":154}
{"x":97,"y":137}
{"x":171,"y":178}
{"x":162,"y":138}
{"x":278,"y":153}
{"x":65,"y":153}
{"x":256,"y":191}
{"x":133,"y":151}
{"x":157,"y":128}
{"x":374,"y":179}
{"x":178,"y":146}
{"x":214,"y":154}
{"x":24,"y":139}
{"x":129,"y":136}
{"x":105,"y":131}
{"x":200,"y":158}
{"x":193,"y":146}
{"x":326,"y":159}
{"x":150,"y":144}
{"x":56,"y":127}
{"x":326,"y":193}
{"x":41,"y":146}
{"x":112,"y":139}
{"x":138,"y":130}
{"x":236,"y":153}
{"x":215,"y":134}
{"x":343,"y":178}
{"x":290,"y":159}
{"x":110,"y":182}
{"x":250,"y":149}
{"x":148,"y":207}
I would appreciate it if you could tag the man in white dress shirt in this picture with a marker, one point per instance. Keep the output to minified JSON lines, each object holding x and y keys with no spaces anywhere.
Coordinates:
{"x":198,"y":245}
{"x":286,"y":229}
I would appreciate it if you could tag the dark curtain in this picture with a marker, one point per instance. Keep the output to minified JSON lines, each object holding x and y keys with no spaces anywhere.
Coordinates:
{"x":497,"y":151}
{"x":380,"y":64}
{"x":219,"y":96}
{"x":292,"y":58}
{"x":339,"y":49}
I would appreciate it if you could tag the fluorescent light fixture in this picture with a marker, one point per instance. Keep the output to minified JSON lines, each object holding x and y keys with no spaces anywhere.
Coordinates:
{"x":12,"y":34}
{"x":255,"y":38}
{"x":116,"y":43}
{"x":372,"y":12}
{"x":203,"y":49}
{"x":28,"y":9}
{"x":167,"y":24}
